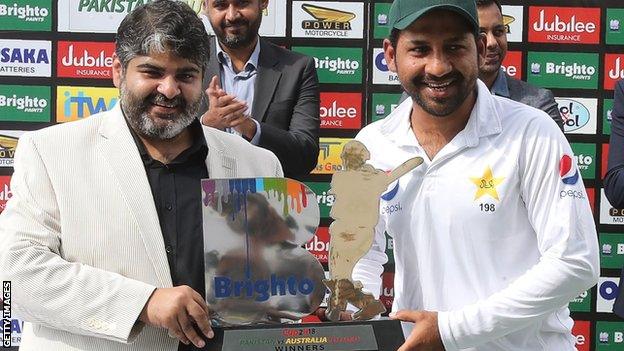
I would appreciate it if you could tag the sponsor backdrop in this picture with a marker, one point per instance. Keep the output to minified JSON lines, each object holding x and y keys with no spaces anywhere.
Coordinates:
{"x":55,"y":67}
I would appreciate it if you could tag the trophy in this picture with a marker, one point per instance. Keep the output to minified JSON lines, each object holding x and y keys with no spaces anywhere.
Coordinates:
{"x":259,"y":278}
{"x":357,"y":190}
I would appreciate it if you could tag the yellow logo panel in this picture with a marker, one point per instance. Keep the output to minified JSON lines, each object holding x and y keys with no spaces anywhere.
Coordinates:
{"x":75,"y":103}
{"x":329,"y":155}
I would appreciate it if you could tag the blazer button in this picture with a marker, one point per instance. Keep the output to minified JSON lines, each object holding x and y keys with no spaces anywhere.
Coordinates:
{"x":168,"y":248}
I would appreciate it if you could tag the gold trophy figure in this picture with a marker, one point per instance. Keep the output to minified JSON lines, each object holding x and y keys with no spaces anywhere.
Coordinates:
{"x":357,"y":189}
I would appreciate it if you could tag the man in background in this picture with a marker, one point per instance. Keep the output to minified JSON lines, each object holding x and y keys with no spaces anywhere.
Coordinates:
{"x":494,"y":76}
{"x":266,"y":94}
{"x":102,"y":239}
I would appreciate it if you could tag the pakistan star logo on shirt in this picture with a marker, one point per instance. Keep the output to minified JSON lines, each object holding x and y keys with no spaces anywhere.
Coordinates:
{"x":486,"y":184}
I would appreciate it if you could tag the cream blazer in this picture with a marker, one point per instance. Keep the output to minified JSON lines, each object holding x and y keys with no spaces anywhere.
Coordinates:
{"x":81,"y":241}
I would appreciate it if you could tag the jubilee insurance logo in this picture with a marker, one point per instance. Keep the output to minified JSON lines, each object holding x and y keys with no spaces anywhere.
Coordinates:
{"x":574,"y":25}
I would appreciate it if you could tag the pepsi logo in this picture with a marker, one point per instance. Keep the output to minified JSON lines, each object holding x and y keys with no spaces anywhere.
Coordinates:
{"x":390,"y":194}
{"x":568,"y":173}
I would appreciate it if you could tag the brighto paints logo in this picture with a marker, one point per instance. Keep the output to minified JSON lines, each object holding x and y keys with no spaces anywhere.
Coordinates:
{"x":575,"y":71}
{"x":24,"y":103}
{"x":337,"y":65}
{"x":27,"y":13}
{"x":118,"y":6}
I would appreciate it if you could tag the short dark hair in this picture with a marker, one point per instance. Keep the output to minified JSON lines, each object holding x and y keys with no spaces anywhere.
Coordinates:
{"x":163,"y":26}
{"x":486,"y":3}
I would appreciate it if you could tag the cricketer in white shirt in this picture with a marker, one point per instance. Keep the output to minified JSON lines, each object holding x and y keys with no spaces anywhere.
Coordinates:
{"x":495,"y":233}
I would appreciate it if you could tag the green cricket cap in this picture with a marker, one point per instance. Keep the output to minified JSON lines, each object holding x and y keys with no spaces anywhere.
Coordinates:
{"x":405,"y":12}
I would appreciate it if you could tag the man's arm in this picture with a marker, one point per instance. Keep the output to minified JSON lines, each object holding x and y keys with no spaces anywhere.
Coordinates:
{"x":48,"y":289}
{"x":614,"y":179}
{"x":566,"y":238}
{"x":297,"y":148}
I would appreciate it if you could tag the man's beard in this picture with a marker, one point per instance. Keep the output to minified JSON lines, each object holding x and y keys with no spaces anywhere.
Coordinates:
{"x":248,"y":33}
{"x":445,"y":106}
{"x":166,"y":126}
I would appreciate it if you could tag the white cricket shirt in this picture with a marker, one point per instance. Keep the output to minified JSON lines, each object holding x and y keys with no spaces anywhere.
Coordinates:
{"x":496,"y":232}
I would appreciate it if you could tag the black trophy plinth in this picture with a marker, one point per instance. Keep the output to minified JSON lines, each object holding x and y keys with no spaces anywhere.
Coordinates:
{"x":379,"y":335}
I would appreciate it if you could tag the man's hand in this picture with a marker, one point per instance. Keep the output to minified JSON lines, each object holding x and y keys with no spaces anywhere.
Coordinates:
{"x":177,"y":310}
{"x":224,"y":111}
{"x":425,"y":336}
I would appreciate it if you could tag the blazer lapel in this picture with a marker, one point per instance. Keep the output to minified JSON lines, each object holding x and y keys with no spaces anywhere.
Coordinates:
{"x":118,"y":148}
{"x":266,"y":81}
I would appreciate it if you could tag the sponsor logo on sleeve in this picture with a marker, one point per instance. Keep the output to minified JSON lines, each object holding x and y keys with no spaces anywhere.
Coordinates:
{"x":614,"y":70}
{"x":383,"y":104}
{"x":567,"y":171}
{"x":608,"y":291}
{"x":563,"y":70}
{"x":580,"y":330}
{"x":5,"y":191}
{"x":611,"y":250}
{"x":335,"y":65}
{"x":26,"y":15}
{"x":97,"y":16}
{"x":339,"y":20}
{"x":574,"y":25}
{"x":512,"y":64}
{"x":614,"y":34}
{"x":608,"y":213}
{"x":341,"y":110}
{"x":381,"y":72}
{"x":27,"y":58}
{"x":75,"y":103}
{"x":513,"y":19}
{"x":329,"y":160}
{"x":20,"y":103}
{"x":579,"y":115}
{"x":85,"y":59}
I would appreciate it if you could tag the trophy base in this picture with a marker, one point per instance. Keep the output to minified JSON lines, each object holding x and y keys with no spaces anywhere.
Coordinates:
{"x":378,"y":335}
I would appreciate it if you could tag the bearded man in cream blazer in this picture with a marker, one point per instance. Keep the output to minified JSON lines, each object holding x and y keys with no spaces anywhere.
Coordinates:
{"x":102,"y":239}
